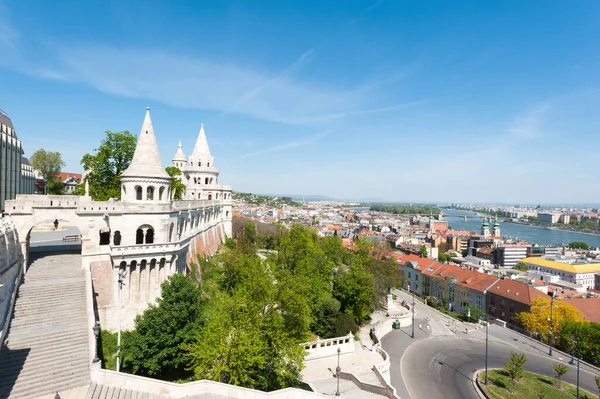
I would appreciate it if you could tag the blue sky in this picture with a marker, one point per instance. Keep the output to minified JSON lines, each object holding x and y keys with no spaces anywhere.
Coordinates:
{"x":464,"y":101}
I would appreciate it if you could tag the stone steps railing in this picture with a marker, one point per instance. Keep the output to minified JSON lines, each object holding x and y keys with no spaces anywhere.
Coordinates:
{"x":329,"y":347}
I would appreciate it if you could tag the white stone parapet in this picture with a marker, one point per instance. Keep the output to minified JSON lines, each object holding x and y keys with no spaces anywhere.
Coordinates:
{"x":328,"y":347}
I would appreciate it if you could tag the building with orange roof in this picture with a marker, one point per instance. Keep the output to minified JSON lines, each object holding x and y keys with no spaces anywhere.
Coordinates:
{"x":507,"y":297}
{"x":461,"y":288}
{"x":413,"y":271}
{"x":590,"y":307}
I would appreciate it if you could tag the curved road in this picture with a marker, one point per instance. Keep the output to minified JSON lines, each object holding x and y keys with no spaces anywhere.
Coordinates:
{"x":443,"y":367}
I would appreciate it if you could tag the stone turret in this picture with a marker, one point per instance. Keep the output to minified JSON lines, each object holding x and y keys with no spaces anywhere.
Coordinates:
{"x":146,"y":179}
{"x":179,"y":160}
{"x":200,"y":173}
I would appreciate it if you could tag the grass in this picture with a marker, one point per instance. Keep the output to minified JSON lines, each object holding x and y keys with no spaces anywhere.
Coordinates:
{"x":500,"y":387}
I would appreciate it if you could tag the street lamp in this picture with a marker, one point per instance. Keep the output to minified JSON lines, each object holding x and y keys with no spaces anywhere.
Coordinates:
{"x":551,"y":322}
{"x":96,"y":329}
{"x":413,"y":311}
{"x":487,"y":327}
{"x":121,"y":282}
{"x":337,"y":373}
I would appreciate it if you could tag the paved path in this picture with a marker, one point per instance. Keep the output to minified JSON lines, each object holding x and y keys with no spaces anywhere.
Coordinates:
{"x":47,"y":345}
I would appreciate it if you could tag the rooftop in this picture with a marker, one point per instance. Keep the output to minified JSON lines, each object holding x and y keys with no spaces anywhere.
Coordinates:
{"x":576,"y":268}
{"x":516,"y":291}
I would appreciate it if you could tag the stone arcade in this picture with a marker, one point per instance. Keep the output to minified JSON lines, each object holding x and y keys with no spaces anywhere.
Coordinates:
{"x":146,"y":236}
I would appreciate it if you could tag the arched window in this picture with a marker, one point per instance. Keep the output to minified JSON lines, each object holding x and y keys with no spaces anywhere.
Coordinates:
{"x":171,"y":238}
{"x":138,"y":193}
{"x":160,"y":193}
{"x":208,"y":165}
{"x":150,"y":193}
{"x":227,"y":213}
{"x":117,"y":238}
{"x":199,"y":163}
{"x":209,"y":197}
{"x":104,"y":237}
{"x":195,"y":180}
{"x":150,"y":236}
{"x":139,"y":236}
{"x":206,"y":181}
{"x":124,"y":189}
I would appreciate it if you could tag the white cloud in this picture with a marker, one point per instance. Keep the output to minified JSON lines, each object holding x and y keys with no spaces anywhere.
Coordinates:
{"x":289,"y":145}
{"x":8,"y":35}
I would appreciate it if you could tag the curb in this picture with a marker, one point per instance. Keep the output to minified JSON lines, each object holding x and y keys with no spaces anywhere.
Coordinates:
{"x":480,"y":392}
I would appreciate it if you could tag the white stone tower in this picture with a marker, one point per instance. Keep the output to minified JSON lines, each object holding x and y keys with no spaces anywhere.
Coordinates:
{"x":485,"y":228}
{"x":146,"y":179}
{"x":179,"y":160}
{"x":496,"y":228}
{"x":200,"y":174}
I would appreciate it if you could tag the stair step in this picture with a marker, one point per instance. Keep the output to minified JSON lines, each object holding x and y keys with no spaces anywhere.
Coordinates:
{"x":41,"y":347}
{"x":44,"y":366}
{"x":21,"y":337}
{"x":37,"y":388}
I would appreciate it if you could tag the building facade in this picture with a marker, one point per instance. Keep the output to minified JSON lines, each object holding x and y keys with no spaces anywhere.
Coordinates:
{"x":582,"y":274}
{"x":141,"y":239}
{"x":16,"y":175}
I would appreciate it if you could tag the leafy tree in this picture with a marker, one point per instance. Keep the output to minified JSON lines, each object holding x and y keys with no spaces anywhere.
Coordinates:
{"x":423,"y":251}
{"x":247,"y":241}
{"x":107,"y":164}
{"x":354,"y":289}
{"x":476,"y":313}
{"x":514,"y":367}
{"x":154,"y":348}
{"x":443,"y":258}
{"x":560,"y":369}
{"x":582,"y":337}
{"x":578,"y":245}
{"x":537,"y":320}
{"x":177,"y":186}
{"x":521,"y":267}
{"x":49,"y":164}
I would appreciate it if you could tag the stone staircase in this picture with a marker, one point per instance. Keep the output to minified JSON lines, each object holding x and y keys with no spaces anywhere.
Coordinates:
{"x":47,"y":348}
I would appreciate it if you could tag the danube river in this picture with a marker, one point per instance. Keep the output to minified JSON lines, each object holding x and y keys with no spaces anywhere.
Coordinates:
{"x":532,"y":234}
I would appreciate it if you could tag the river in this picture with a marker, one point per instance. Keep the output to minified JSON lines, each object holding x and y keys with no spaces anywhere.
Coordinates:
{"x":532,"y":234}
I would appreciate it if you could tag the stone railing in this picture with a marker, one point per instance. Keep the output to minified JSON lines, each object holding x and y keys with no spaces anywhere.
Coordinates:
{"x":328,"y":347}
{"x":383,"y":366}
{"x":124,"y":250}
{"x":12,"y":269}
{"x":385,"y":390}
{"x":208,"y":388}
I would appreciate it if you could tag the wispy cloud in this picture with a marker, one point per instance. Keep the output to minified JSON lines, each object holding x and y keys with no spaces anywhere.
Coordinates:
{"x":289,"y":145}
{"x":527,"y":126}
{"x":8,"y":34}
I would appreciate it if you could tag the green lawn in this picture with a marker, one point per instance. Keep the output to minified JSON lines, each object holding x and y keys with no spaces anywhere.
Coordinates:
{"x":528,"y":387}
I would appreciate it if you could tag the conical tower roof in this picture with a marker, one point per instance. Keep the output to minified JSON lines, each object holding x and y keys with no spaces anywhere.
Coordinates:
{"x":179,"y":155}
{"x":201,"y":150}
{"x":146,"y":158}
{"x":485,"y":222}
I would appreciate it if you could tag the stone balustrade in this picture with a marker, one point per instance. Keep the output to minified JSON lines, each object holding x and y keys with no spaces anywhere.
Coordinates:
{"x":204,"y":387}
{"x":328,"y":347}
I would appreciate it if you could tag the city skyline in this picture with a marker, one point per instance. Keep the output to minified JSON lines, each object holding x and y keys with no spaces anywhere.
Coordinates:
{"x":380,"y":99}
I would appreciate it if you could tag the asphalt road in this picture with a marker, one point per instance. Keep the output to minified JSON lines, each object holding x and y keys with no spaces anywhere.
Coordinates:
{"x":440,"y":362}
{"x":444,"y":367}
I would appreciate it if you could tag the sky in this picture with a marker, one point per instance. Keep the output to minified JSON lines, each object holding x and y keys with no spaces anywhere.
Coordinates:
{"x":408,"y":101}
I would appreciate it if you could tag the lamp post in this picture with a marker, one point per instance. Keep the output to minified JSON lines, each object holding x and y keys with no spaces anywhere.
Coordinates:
{"x":551,"y":323}
{"x":96,"y":329}
{"x":121,"y":282}
{"x":487,"y":326}
{"x":337,"y":373}
{"x":413,"y":311}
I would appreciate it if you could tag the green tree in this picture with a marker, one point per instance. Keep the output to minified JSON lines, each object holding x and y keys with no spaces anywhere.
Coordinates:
{"x":107,"y":164}
{"x":177,"y":186}
{"x":423,"y":251}
{"x":154,"y":348}
{"x":521,"y":266}
{"x":443,"y":258}
{"x":514,"y":367}
{"x":49,"y":164}
{"x":560,"y":369}
{"x":354,"y":289}
{"x":578,"y":245}
{"x":247,"y":241}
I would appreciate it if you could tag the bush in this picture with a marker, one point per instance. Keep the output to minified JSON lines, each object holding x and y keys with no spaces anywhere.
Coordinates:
{"x":345,"y":324}
{"x":108,"y":349}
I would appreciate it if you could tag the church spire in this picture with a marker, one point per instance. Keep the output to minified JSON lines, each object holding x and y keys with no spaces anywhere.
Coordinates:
{"x":146,"y":158}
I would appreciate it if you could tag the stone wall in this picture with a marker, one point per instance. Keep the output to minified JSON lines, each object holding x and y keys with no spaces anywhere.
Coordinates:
{"x":11,"y":273}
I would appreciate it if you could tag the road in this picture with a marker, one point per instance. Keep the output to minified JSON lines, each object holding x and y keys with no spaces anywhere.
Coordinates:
{"x":440,"y":362}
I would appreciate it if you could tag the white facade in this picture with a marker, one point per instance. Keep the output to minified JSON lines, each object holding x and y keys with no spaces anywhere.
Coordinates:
{"x":145,"y":237}
{"x":199,"y":174}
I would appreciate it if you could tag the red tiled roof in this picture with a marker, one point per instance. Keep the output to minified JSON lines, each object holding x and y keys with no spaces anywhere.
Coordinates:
{"x":467,"y":278}
{"x":65,"y":175}
{"x":590,"y":307}
{"x":516,"y":291}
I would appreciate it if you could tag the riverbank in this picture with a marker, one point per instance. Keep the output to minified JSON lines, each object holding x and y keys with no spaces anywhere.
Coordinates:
{"x":553,"y":228}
